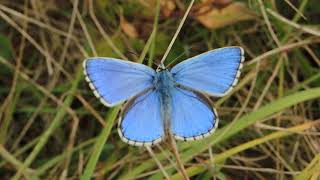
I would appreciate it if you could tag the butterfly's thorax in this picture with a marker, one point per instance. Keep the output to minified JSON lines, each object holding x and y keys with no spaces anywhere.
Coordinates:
{"x":164,"y":84}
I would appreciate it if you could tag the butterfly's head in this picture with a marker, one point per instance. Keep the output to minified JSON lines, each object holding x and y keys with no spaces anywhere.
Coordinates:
{"x":163,"y":79}
{"x":161,"y":67}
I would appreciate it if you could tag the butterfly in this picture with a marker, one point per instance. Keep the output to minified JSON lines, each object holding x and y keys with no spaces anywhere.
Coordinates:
{"x":165,"y":101}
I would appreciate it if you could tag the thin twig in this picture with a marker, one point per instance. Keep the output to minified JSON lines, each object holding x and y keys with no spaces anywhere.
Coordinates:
{"x":158,"y":162}
{"x":269,"y":26}
{"x":295,"y":9}
{"x":293,"y":24}
{"x":34,"y":43}
{"x":167,"y":157}
{"x":103,"y":33}
{"x":37,"y":11}
{"x":283,"y":48}
{"x":175,"y":35}
{"x":268,"y":84}
{"x":86,"y":33}
{"x":175,"y":151}
{"x":24,"y":17}
{"x":90,"y":109}
{"x":265,"y":170}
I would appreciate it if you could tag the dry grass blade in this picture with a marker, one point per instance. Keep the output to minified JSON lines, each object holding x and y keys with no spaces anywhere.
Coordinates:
{"x":295,"y":25}
{"x":158,"y":163}
{"x":284,"y":48}
{"x":33,"y":42}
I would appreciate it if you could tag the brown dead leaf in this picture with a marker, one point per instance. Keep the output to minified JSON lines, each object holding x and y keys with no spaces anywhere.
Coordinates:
{"x":167,"y":7}
{"x":128,"y":28}
{"x":216,"y":3}
{"x":222,"y":3}
{"x":214,"y":18}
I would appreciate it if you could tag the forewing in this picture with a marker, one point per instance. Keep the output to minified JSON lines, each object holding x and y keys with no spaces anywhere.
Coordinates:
{"x":114,"y":81}
{"x":192,"y":115}
{"x":140,"y":123}
{"x":214,"y":72}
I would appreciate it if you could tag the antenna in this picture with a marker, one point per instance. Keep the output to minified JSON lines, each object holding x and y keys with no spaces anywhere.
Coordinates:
{"x":175,"y":59}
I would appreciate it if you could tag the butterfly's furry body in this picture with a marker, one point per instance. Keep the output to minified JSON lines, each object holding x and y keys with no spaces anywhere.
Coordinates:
{"x":163,"y":84}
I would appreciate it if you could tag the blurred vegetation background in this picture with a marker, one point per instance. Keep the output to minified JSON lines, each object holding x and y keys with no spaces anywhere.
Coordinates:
{"x":52,"y":126}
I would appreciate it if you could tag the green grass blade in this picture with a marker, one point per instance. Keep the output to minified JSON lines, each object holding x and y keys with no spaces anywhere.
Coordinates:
{"x":313,"y":169}
{"x":98,"y":146}
{"x":152,"y":36}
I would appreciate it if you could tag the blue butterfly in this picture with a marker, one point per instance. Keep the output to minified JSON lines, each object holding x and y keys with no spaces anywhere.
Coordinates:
{"x":165,"y":100}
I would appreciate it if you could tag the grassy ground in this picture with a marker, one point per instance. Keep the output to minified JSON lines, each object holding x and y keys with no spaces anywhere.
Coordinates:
{"x":52,"y":127}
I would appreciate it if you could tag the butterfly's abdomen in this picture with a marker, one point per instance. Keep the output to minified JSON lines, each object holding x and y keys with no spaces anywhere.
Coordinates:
{"x":163,"y":84}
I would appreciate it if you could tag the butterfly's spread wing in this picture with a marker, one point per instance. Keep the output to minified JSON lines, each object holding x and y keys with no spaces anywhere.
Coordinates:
{"x":114,"y":81}
{"x":192,"y":115}
{"x":140,"y":123}
{"x":214,"y":72}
